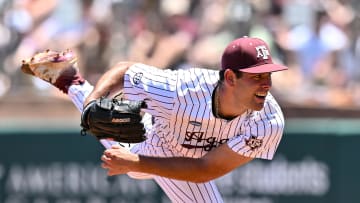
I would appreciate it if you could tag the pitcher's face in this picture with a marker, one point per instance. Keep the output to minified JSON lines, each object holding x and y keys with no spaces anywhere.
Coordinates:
{"x":251,"y":89}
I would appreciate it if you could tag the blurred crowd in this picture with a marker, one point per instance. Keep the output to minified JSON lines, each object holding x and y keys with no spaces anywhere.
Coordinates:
{"x":319,"y":40}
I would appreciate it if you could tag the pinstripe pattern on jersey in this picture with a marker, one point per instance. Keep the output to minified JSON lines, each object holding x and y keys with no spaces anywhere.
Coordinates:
{"x":157,"y":86}
{"x":184,"y":118}
{"x":180,"y":191}
{"x":177,"y":191}
{"x":181,"y":104}
{"x":265,"y":125}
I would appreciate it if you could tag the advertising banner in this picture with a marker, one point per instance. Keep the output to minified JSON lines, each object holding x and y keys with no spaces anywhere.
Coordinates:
{"x":64,"y":167}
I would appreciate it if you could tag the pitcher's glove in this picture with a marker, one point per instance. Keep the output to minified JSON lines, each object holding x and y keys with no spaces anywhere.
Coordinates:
{"x":116,"y":119}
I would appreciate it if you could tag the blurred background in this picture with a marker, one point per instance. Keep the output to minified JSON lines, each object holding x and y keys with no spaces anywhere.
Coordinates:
{"x":319,"y":40}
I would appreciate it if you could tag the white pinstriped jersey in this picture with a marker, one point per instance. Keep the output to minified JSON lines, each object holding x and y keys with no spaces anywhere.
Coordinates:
{"x":181,"y":105}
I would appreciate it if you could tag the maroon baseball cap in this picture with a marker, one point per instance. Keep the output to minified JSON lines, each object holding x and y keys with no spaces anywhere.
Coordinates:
{"x":250,"y":55}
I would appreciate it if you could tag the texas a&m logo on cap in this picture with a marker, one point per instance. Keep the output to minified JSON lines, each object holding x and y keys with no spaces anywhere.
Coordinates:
{"x":262,"y":52}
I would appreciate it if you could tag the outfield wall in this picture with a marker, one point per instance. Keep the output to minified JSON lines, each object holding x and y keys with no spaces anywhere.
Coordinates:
{"x":317,"y":162}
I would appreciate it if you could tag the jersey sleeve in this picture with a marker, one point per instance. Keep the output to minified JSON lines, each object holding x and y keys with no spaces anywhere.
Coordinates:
{"x":155,"y":86}
{"x":261,"y":134}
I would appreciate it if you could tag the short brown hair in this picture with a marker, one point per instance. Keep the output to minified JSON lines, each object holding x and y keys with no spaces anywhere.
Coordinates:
{"x":221,"y":74}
